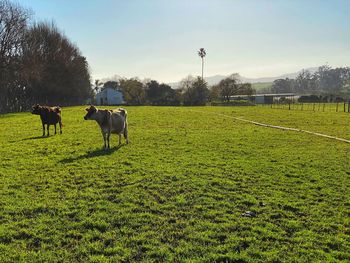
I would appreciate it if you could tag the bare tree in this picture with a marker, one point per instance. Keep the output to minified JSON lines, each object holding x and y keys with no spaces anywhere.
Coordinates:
{"x":38,"y":63}
{"x":13,"y":25}
{"x":98,"y":85}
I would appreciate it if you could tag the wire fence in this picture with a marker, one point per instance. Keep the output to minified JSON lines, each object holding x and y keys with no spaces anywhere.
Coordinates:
{"x":317,"y":106}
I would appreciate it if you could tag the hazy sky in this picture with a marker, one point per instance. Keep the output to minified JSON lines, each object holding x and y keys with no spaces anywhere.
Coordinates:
{"x":159,"y":39}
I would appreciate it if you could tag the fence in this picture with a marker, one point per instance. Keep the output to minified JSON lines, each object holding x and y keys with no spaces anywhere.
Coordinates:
{"x":317,"y":106}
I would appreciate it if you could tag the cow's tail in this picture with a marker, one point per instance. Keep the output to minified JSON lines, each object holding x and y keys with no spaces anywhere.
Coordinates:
{"x":124,"y":113}
{"x":58,"y":110}
{"x":60,"y":113}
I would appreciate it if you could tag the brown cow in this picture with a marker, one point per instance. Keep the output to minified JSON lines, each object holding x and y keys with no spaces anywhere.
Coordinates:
{"x":48,"y":116}
{"x":110,"y":121}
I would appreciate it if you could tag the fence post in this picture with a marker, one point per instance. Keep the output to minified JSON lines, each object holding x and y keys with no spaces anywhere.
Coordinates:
{"x":337,"y":107}
{"x":344,"y":105}
{"x":349,"y":106}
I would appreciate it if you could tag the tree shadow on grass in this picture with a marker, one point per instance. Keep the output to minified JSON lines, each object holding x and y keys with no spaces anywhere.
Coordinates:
{"x":91,"y":154}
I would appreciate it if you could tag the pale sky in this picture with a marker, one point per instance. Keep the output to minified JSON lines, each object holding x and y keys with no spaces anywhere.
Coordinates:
{"x":159,"y":39}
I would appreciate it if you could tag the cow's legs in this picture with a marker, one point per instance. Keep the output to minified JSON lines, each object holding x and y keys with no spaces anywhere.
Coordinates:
{"x":126,"y":135}
{"x":104,"y":139}
{"x":48,"y":130}
{"x":43,"y":129}
{"x":120,"y":139}
{"x":108,"y":135}
{"x":55,"y":128}
{"x":60,"y":123}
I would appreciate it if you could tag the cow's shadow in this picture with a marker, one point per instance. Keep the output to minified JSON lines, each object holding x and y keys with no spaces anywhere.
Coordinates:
{"x":91,"y":154}
{"x":36,"y":138}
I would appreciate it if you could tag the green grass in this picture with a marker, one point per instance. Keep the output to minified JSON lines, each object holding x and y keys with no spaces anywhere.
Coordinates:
{"x":178,"y":190}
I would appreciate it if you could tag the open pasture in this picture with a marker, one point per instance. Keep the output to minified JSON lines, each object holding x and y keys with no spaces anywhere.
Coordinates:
{"x":177,"y":192}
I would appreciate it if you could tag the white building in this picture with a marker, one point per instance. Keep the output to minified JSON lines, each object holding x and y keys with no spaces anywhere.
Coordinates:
{"x":109,"y":96}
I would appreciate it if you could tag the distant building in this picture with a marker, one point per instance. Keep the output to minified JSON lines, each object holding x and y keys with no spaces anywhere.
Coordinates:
{"x":109,"y":96}
{"x":270,"y":98}
{"x":265,"y":98}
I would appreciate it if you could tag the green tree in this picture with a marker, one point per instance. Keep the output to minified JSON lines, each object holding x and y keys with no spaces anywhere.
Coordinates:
{"x":228,"y":87}
{"x":245,"y":89}
{"x":332,"y":81}
{"x":195,"y":92}
{"x":161,"y":94}
{"x":214,"y":93}
{"x":303,"y":82}
{"x":112,"y":85}
{"x":283,"y":86}
{"x":133,"y":91}
{"x":58,"y":72}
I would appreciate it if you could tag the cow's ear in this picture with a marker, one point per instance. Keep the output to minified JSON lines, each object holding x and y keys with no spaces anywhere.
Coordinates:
{"x":87,"y":109}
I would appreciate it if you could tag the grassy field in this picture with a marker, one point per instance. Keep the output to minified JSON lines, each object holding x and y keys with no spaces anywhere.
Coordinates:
{"x":179,"y":190}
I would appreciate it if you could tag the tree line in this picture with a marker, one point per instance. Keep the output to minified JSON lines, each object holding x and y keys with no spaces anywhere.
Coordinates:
{"x":38,"y":63}
{"x":326,"y":83}
{"x":192,"y":91}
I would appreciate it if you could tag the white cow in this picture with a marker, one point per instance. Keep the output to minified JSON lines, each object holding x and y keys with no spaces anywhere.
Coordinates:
{"x":110,"y":121}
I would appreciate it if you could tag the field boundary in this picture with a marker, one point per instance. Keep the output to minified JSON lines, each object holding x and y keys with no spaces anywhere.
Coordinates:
{"x":277,"y":127}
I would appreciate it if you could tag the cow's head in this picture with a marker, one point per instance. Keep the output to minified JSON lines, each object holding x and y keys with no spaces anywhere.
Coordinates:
{"x":90,"y":112}
{"x":36,"y":109}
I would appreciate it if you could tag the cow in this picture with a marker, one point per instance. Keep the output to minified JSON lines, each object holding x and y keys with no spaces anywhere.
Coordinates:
{"x":48,"y":116}
{"x":110,"y":121}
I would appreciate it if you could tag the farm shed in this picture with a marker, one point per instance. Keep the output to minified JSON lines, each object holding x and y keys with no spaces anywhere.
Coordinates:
{"x":109,"y":96}
{"x":264,"y":98}
{"x":270,"y":98}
